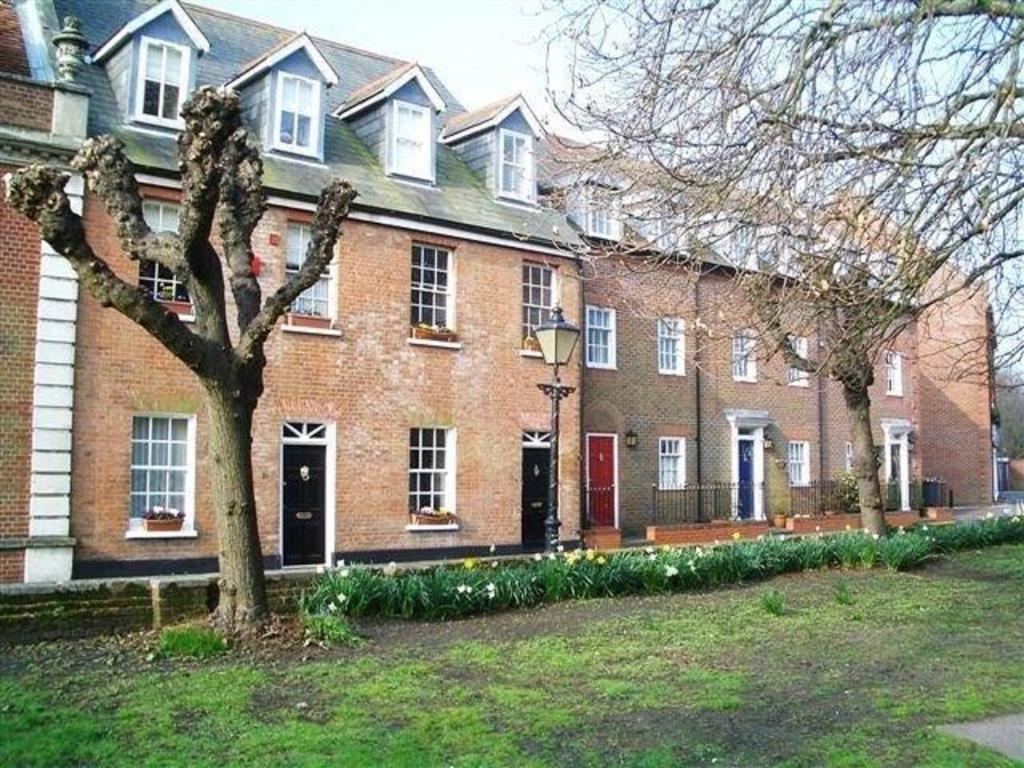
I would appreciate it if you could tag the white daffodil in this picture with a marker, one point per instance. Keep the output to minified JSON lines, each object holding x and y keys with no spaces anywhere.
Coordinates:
{"x":670,"y":571}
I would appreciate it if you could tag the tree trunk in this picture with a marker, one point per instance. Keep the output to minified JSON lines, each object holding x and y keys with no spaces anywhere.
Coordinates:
{"x":243,"y":596}
{"x":865,"y":465}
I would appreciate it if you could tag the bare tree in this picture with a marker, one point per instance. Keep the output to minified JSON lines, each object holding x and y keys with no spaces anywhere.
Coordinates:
{"x":862,"y":158}
{"x":221,"y":173}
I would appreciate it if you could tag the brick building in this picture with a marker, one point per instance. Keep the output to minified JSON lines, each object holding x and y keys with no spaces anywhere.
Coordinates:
{"x":406,"y":377}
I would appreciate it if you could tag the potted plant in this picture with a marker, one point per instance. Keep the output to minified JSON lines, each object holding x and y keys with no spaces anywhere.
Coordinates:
{"x":163,"y":519}
{"x":779,"y":519}
{"x":531,"y":344}
{"x":432,"y":332}
{"x":431,"y":516}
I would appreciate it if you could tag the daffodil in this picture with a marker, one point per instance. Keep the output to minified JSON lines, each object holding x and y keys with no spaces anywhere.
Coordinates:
{"x":670,"y":571}
{"x":601,"y":560}
{"x":736,"y":535}
{"x":469,"y":564}
{"x":591,"y":554}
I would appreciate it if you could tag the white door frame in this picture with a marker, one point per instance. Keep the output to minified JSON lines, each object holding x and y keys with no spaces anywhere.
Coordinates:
{"x":615,"y":469}
{"x":754,"y":423}
{"x":330,"y":442}
{"x":897,"y":433}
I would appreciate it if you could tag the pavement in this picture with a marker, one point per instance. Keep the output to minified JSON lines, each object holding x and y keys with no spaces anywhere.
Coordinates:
{"x":1008,"y":504}
{"x":1003,"y":734}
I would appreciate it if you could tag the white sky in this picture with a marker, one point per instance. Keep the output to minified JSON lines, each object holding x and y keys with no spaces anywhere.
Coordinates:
{"x":482,"y":49}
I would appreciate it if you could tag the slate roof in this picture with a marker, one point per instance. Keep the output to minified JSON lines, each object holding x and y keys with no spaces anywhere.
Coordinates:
{"x":460,"y":197}
{"x":466,"y":120}
{"x":372,"y":88}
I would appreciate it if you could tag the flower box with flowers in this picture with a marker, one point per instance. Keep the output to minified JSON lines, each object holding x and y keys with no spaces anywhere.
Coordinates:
{"x":162,"y":519}
{"x":428,"y":516}
{"x":433,"y":333}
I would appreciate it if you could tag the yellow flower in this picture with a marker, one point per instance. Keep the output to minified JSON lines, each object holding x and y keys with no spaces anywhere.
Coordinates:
{"x":601,"y":560}
{"x":591,"y":554}
{"x":848,"y":527}
{"x":469,"y":564}
{"x":735,"y":535}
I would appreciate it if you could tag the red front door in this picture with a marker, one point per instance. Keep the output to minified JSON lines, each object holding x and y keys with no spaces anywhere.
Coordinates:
{"x":600,"y":480}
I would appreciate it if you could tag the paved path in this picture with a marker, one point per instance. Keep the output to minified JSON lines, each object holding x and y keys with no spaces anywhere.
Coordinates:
{"x":1003,"y":734}
{"x":1007,"y":507}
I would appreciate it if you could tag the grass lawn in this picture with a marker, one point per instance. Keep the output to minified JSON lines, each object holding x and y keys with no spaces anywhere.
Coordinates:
{"x":690,"y":679}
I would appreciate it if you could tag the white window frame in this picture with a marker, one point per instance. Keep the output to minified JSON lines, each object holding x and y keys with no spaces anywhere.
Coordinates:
{"x":664,"y":443}
{"x":161,"y":273}
{"x":804,"y":449}
{"x":451,"y":458}
{"x":426,"y":172}
{"x":612,"y":336}
{"x":328,"y":275}
{"x":796,"y":377}
{"x":894,"y":373}
{"x":529,"y":194}
{"x":679,"y":337}
{"x":449,"y":293}
{"x":528,"y":328}
{"x":188,"y":527}
{"x":140,"y":85}
{"x":315,"y":118}
{"x":609,"y":212}
{"x":750,"y":368}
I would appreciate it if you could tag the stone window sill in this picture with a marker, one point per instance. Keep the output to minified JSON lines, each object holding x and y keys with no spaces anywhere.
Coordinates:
{"x":141,"y":534}
{"x":412,"y":527}
{"x":431,"y":343}
{"x":312,"y":330}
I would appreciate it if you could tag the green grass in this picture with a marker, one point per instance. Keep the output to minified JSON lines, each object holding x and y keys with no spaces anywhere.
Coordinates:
{"x":671,"y":680}
{"x":190,"y":641}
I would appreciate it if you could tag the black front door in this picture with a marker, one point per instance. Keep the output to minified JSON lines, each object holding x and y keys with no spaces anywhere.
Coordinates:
{"x":304,"y":494}
{"x":535,"y":494}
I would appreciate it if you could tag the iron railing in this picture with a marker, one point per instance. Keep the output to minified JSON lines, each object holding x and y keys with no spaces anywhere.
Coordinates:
{"x":819,"y":497}
{"x":703,"y":503}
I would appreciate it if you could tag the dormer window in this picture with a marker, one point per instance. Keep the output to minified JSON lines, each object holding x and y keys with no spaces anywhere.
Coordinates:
{"x":410,"y":144}
{"x":516,"y":165}
{"x":163,"y":80}
{"x":598,"y":213}
{"x":298,"y":114}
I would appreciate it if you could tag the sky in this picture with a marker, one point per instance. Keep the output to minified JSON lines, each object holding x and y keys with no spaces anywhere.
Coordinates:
{"x":483,"y":50}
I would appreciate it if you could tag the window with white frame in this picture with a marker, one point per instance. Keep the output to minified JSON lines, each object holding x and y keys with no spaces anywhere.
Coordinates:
{"x":159,"y":281}
{"x":671,"y":463}
{"x":744,"y":358}
{"x":315,"y":301}
{"x":431,"y":469}
{"x":431,"y":287}
{"x":410,"y":143}
{"x":893,"y":373}
{"x":163,"y":81}
{"x":600,"y":337}
{"x":538,"y":296}
{"x":516,"y":165}
{"x":797,"y":376}
{"x":599,"y":213}
{"x":797,"y":463}
{"x":848,"y":457}
{"x":298,"y":114}
{"x":162,"y":465}
{"x":671,"y":346}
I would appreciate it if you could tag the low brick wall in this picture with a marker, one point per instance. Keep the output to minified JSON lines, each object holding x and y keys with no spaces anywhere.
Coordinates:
{"x":823,"y":524}
{"x":706,"y":533}
{"x":606,"y":537}
{"x":32,"y":612}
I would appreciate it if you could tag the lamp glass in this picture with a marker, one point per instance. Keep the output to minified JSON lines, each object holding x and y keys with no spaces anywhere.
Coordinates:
{"x":557,"y":338}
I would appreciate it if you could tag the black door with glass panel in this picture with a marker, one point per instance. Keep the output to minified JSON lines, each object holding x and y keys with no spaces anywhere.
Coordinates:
{"x":535,"y":494}
{"x":304,"y":508}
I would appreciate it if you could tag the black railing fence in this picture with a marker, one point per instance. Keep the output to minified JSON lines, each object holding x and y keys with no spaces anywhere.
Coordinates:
{"x":704,"y":503}
{"x":819,"y":497}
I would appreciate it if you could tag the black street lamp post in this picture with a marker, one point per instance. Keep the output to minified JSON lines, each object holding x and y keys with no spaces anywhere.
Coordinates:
{"x":557,"y":338}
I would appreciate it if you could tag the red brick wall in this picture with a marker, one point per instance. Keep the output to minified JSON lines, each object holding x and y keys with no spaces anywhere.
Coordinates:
{"x":26,"y":104}
{"x":956,"y":400}
{"x":19,"y":278}
{"x":12,"y":47}
{"x":12,"y":567}
{"x":370,"y":381}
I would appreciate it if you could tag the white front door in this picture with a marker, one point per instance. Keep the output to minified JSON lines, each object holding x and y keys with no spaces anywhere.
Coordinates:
{"x":897,"y":465}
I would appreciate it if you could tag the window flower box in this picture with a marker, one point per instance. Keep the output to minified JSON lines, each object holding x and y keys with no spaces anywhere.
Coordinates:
{"x":181,"y":308}
{"x":428,"y":516}
{"x":163,"y":520}
{"x":308,"y":321}
{"x":433,"y":333}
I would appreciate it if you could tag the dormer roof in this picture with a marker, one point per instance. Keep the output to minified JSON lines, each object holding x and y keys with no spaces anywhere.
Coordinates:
{"x":173,"y":7}
{"x":490,"y":116}
{"x":380,"y":89}
{"x":299,"y":42}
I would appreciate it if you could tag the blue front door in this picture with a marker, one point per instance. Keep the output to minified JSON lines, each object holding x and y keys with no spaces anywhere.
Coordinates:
{"x":745,"y":492}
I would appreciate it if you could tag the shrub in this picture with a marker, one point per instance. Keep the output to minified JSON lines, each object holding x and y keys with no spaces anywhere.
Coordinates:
{"x":773,"y":602}
{"x":847,"y":493}
{"x":474,"y":588}
{"x":191,"y":641}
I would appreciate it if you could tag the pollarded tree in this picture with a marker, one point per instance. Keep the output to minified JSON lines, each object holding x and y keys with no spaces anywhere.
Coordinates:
{"x":222,"y":187}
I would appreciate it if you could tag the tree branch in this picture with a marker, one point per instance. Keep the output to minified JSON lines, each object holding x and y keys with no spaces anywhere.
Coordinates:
{"x":331,"y":210}
{"x":38,"y":193}
{"x":243,"y":201}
